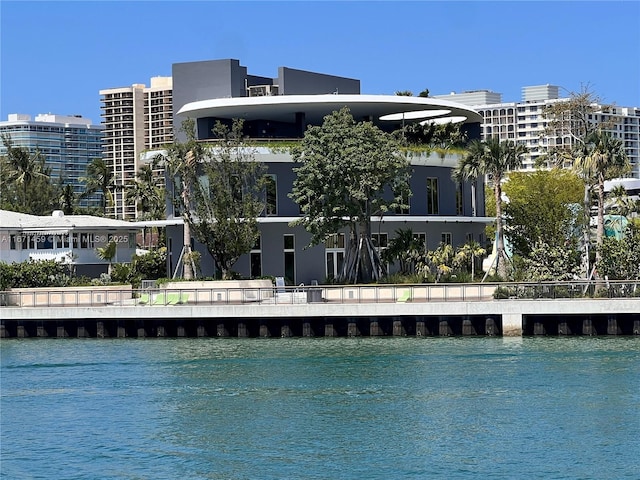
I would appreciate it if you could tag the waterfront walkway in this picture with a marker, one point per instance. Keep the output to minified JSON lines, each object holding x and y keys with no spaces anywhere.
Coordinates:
{"x":445,"y":309}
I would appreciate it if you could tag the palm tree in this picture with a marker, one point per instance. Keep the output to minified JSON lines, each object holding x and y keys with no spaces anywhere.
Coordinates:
{"x":67,"y":199}
{"x":621,"y":203}
{"x":100,"y":179}
{"x":24,"y":167}
{"x":181,"y":162}
{"x":603,"y":158}
{"x":405,"y":248}
{"x":470,"y":171}
{"x":108,"y":253}
{"x":470,"y":250}
{"x":439,"y":260}
{"x":149,"y":197}
{"x":494,"y":159}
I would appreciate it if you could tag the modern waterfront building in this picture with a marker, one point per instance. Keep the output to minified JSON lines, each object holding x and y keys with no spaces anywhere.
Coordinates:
{"x":135,"y":119}
{"x":523,"y":121}
{"x":67,"y":143}
{"x":281,"y":108}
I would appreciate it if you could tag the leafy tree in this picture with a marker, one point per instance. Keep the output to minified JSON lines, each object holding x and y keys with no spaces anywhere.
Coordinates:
{"x":572,"y":119}
{"x":30,"y":274}
{"x":620,"y":259}
{"x":149,"y":266}
{"x":442,"y":137}
{"x":543,"y":207}
{"x":494,"y":159}
{"x":220,"y":193}
{"x":551,"y":262}
{"x":348,"y":172}
{"x":100,"y":179}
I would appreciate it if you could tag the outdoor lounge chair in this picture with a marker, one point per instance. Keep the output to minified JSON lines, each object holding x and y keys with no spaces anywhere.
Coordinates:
{"x":404,"y":297}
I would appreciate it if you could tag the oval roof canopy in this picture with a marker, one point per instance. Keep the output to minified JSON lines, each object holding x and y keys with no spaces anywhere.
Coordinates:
{"x":284,"y":108}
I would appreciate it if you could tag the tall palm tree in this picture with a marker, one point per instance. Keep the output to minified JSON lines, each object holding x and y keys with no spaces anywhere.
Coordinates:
{"x":603,"y":158}
{"x":100,"y":179}
{"x":470,"y":171}
{"x":24,"y":166}
{"x":621,"y":203}
{"x":67,"y":199}
{"x":181,"y":161}
{"x":494,"y":159}
{"x":149,"y":197}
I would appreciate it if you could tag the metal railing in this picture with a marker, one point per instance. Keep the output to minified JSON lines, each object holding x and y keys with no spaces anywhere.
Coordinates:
{"x":347,"y":294}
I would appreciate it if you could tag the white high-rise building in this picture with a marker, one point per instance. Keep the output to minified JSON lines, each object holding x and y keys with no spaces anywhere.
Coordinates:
{"x":523,"y":122}
{"x":68,"y":143}
{"x":135,"y":118}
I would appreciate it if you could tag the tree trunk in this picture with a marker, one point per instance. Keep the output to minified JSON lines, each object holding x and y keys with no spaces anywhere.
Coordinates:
{"x":586,"y":238}
{"x":186,"y":257}
{"x":501,"y":263}
{"x":473,"y":266}
{"x":600,"y":228}
{"x":474,"y":212}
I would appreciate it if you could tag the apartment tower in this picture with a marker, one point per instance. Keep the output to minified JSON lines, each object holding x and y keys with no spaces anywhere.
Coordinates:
{"x":68,"y":144}
{"x":523,"y":121}
{"x":135,"y":118}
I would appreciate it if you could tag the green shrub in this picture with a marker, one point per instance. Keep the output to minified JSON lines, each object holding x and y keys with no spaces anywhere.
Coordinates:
{"x":501,"y":293}
{"x":396,"y":278}
{"x":31,"y":274}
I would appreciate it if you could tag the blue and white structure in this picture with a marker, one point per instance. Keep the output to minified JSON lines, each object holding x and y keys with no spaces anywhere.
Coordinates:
{"x":67,"y":143}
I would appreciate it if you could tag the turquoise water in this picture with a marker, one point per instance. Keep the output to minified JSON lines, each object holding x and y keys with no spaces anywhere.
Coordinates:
{"x":329,"y":408}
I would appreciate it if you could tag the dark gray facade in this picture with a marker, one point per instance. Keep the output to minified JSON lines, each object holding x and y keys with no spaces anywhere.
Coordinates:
{"x":300,"y":82}
{"x":440,"y":210}
{"x":226,"y":78}
{"x":451,"y":221}
{"x":196,"y":81}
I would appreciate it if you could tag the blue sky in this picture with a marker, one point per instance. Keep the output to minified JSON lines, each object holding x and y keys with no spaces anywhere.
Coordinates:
{"x":56,"y":56}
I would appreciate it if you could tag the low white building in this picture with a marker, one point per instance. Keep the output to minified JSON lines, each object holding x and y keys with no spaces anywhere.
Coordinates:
{"x":70,"y":239}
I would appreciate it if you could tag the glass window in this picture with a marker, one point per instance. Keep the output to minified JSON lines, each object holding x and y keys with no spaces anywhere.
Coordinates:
{"x":405,"y":200}
{"x":271,"y":195}
{"x":459,"y":200}
{"x":432,"y":196}
{"x":335,"y":241}
{"x":290,"y":259}
{"x":422,"y":239}
{"x":446,"y":238}
{"x":86,"y":240}
{"x":380,"y":240}
{"x":256,"y":259}
{"x":289,"y":242}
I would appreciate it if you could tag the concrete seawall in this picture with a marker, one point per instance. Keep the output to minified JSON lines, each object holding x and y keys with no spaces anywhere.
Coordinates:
{"x":435,"y":318}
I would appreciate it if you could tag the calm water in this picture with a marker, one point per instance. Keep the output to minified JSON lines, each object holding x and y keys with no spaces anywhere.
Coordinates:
{"x":367,"y":408}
